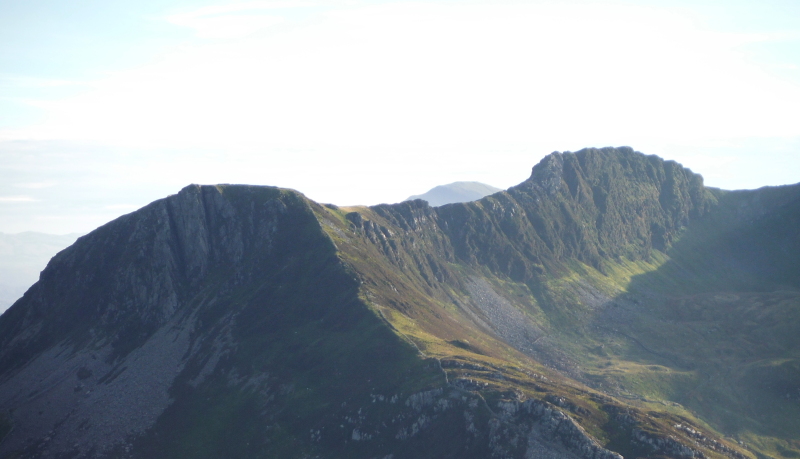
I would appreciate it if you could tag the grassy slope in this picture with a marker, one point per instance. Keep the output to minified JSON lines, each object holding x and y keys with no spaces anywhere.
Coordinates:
{"x":722,"y":317}
{"x":702,"y":330}
{"x":432,"y":315}
{"x":706,"y":331}
{"x":709,"y":330}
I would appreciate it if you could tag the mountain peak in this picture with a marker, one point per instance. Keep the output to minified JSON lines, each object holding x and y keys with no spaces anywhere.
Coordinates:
{"x":455,"y":192}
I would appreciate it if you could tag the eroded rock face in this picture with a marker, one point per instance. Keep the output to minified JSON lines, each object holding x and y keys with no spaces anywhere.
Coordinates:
{"x":544,"y":421}
{"x":91,"y":353}
{"x":129,"y":277}
{"x":589,"y":205}
{"x":513,"y":429}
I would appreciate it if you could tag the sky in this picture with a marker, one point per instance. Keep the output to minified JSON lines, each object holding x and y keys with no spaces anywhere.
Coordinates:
{"x":106,"y":106}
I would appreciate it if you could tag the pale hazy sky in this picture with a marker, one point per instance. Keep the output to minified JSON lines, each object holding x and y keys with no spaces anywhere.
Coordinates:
{"x":106,"y":106}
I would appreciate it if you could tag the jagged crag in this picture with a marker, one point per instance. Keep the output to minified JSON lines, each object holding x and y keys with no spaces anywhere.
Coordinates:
{"x":610,"y":305}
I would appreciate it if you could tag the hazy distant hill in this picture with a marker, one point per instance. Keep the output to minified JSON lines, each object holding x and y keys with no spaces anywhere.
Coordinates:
{"x":22,"y":257}
{"x":610,"y":305}
{"x":456,"y":192}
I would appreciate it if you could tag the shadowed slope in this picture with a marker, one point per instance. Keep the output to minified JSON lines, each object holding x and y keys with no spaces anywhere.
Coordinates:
{"x":215,"y":323}
{"x":722,"y":313}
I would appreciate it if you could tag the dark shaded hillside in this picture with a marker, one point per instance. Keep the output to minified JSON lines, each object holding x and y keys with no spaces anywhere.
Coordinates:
{"x":751,"y":242}
{"x":204,"y":325}
{"x":724,"y":310}
{"x":608,"y":304}
{"x":137,"y":272}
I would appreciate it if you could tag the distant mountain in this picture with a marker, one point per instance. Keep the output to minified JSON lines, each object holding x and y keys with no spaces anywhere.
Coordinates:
{"x":22,"y":257}
{"x":456,"y":192}
{"x":609,"y":306}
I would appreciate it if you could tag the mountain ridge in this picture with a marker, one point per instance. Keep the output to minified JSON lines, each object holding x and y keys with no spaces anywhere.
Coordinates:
{"x":22,"y":257}
{"x":497,"y":324}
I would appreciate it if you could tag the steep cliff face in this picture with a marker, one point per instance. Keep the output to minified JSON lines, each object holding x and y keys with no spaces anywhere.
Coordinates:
{"x":238,"y":321}
{"x":187,"y":328}
{"x":595,"y":205}
{"x":121,"y":283}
